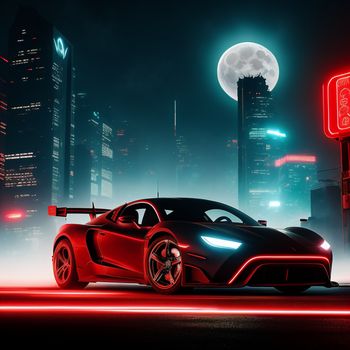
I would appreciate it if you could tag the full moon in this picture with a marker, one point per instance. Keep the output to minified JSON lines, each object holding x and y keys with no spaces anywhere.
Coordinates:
{"x":243,"y":60}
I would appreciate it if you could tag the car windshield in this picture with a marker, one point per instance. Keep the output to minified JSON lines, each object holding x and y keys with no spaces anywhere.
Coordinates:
{"x":198,"y":210}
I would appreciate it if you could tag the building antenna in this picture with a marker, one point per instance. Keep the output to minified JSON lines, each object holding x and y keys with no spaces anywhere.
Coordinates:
{"x":174,"y":118}
{"x":158,"y":188}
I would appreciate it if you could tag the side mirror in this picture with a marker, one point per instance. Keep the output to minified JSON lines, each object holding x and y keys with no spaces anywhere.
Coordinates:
{"x":262,"y":222}
{"x":126,"y":219}
{"x":303,"y":222}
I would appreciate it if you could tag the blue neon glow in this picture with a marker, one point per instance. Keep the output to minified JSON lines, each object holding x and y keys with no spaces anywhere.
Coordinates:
{"x":221,"y":243}
{"x":276,"y":133}
{"x":60,"y":49}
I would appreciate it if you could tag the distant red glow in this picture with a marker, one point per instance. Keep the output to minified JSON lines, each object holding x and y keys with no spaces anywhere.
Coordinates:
{"x":4,"y":59}
{"x":295,"y":158}
{"x":336,"y":106}
{"x":14,"y":215}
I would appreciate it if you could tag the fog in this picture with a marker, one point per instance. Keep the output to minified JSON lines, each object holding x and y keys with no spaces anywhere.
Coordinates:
{"x":28,"y":263}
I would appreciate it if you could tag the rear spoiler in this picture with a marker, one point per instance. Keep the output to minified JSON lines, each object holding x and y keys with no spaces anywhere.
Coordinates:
{"x":52,"y":210}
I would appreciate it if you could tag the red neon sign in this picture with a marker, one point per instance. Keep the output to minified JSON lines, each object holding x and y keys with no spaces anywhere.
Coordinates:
{"x":295,"y":158}
{"x":336,"y":106}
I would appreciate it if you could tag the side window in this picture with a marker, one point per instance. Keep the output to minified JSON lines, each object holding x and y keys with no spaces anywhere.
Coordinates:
{"x":143,"y":214}
{"x":140,"y":215}
{"x":150,"y":218}
{"x":135,"y":211}
{"x":222,"y":216}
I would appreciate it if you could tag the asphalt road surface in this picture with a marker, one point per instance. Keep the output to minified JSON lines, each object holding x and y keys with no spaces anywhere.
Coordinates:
{"x":116,"y":315}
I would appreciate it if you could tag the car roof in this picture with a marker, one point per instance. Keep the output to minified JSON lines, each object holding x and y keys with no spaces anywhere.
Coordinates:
{"x":169,"y":200}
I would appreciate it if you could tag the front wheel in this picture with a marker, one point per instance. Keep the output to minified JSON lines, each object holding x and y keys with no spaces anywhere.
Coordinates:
{"x":292,"y":290}
{"x":64,"y":267}
{"x":164,"y":265}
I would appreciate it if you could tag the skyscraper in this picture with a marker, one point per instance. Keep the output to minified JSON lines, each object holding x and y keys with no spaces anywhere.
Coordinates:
{"x":3,"y":112}
{"x":256,"y":146}
{"x":94,"y":155}
{"x":40,"y":136}
{"x":297,"y":176}
{"x":183,"y":160}
{"x":106,"y":192}
{"x":231,"y":173}
{"x":126,"y":165}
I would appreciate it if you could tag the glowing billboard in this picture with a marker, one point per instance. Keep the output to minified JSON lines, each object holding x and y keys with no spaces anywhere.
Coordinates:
{"x":336,"y":106}
{"x":60,"y":48}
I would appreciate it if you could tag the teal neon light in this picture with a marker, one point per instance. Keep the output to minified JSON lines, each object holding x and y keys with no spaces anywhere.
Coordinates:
{"x":276,"y":133}
{"x":60,"y":49}
{"x":221,"y":243}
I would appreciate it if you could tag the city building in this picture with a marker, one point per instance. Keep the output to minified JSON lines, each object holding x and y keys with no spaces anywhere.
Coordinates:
{"x":183,"y":165}
{"x":326,"y":214}
{"x":259,"y":145}
{"x":184,"y":161}
{"x":126,"y":150}
{"x":3,"y":113}
{"x":94,"y":155}
{"x":82,"y":188}
{"x":40,"y":128}
{"x":230,"y":175}
{"x":297,"y":177}
{"x":106,"y":192}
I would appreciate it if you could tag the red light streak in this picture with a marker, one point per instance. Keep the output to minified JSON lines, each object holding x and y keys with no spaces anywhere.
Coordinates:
{"x":295,"y":158}
{"x":14,"y":215}
{"x":276,"y":257}
{"x":4,"y":59}
{"x":184,"y":246}
{"x":176,"y":310}
{"x":59,"y":293}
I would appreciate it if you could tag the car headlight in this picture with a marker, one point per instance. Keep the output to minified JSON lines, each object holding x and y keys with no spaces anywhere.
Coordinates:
{"x":325,"y":245}
{"x":221,"y":243}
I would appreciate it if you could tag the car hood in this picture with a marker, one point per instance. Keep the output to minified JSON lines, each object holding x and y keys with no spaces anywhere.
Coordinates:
{"x":253,"y":234}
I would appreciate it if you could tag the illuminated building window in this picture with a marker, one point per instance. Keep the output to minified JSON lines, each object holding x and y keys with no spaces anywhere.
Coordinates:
{"x":94,"y":189}
{"x":106,"y":189}
{"x":19,"y":155}
{"x":106,"y":174}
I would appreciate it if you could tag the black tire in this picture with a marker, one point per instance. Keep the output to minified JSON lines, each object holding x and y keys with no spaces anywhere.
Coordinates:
{"x":163,"y":265}
{"x":64,"y":266}
{"x":292,"y":290}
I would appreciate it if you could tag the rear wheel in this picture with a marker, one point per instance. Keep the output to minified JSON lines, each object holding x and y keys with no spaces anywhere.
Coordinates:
{"x":64,"y":267}
{"x":164,"y":265}
{"x":292,"y":289}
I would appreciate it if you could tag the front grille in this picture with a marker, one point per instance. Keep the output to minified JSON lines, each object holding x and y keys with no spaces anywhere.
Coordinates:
{"x":284,"y":274}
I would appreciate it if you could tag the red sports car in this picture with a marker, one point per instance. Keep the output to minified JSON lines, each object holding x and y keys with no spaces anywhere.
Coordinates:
{"x":171,"y":243}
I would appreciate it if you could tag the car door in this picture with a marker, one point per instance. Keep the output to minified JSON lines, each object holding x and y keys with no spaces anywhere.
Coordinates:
{"x":121,"y":244}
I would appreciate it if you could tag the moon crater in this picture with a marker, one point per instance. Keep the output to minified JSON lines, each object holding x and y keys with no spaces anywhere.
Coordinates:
{"x":246,"y":59}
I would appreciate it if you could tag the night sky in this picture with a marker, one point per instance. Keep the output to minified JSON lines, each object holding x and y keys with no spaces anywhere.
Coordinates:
{"x":138,"y":56}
